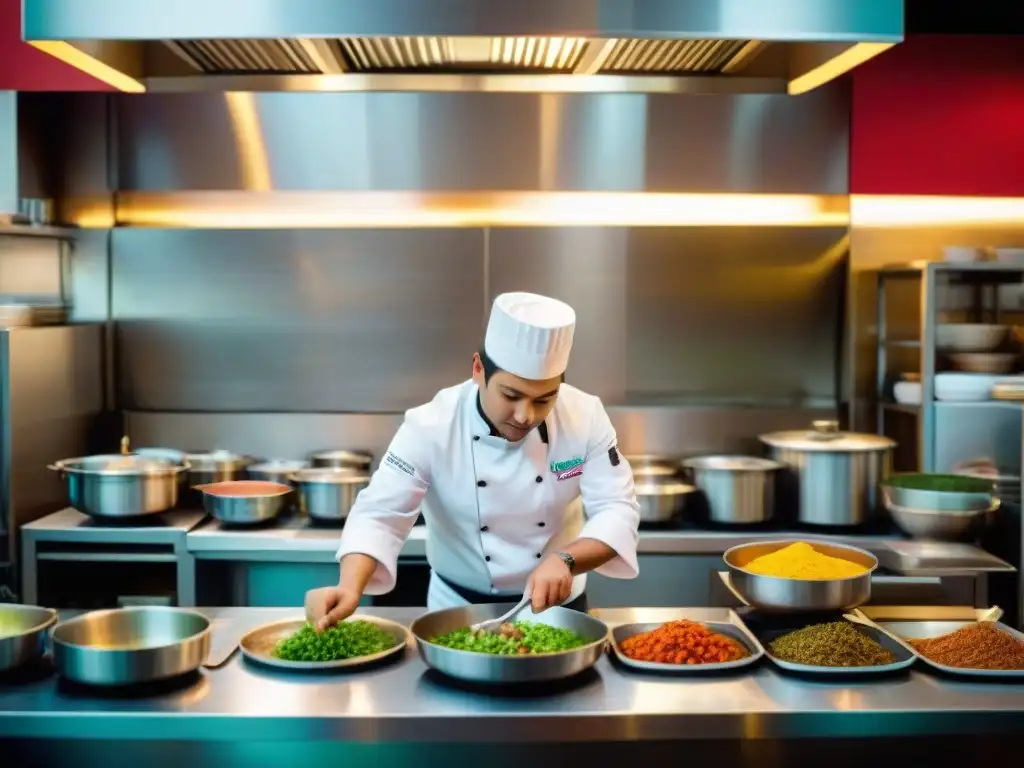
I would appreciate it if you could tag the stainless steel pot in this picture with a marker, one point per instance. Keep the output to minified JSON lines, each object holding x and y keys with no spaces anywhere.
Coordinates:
{"x":739,"y":489}
{"x":489,"y":668}
{"x":245,"y":502}
{"x":327,"y":493}
{"x":834,"y":476}
{"x":661,"y":498}
{"x":120,"y":486}
{"x":653,"y":466}
{"x":772,"y":593}
{"x":131,"y":645}
{"x":216,"y":466}
{"x":23,"y":631}
{"x":342,"y":459}
{"x":276,"y":471}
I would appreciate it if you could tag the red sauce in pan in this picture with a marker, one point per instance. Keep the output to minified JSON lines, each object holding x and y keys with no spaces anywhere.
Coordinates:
{"x":244,"y":488}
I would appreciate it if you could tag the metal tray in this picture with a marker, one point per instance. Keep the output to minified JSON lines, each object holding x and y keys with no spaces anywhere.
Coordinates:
{"x":733,"y":629}
{"x":919,"y":630}
{"x":768,"y":628}
{"x":258,"y":645}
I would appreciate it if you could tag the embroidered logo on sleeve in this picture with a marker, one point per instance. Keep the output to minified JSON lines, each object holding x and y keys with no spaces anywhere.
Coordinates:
{"x":563,"y":470}
{"x":400,"y":464}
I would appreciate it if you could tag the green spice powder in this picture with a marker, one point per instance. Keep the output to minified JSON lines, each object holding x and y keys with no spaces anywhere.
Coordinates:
{"x":836,"y":644}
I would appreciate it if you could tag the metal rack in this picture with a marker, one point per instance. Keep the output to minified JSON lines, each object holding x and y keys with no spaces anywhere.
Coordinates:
{"x":935,"y":417}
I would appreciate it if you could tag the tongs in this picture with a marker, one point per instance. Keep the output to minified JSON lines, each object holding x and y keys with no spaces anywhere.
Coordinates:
{"x":492,"y":623}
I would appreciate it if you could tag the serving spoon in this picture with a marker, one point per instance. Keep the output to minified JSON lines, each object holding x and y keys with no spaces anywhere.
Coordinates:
{"x":491,"y":623}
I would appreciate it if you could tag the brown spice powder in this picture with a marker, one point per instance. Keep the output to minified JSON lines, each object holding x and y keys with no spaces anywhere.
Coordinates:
{"x":978,"y":646}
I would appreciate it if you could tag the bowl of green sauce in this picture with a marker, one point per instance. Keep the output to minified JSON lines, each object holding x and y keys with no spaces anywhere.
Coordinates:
{"x":938,"y":493}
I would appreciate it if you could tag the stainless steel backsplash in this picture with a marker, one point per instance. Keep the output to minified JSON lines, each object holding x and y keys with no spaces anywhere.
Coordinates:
{"x":697,"y":337}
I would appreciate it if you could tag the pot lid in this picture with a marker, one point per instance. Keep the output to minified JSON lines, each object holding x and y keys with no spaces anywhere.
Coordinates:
{"x":733,"y":463}
{"x":825,"y":436}
{"x":331,"y":476}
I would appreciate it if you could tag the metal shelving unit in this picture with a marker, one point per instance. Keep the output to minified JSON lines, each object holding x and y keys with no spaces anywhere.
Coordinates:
{"x":985,"y":278}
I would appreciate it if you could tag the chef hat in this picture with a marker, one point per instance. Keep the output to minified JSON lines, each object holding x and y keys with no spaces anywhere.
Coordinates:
{"x":530,"y":335}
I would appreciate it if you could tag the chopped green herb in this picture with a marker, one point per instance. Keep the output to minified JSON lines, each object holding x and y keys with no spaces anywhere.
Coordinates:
{"x":518,"y":638}
{"x":345,"y":640}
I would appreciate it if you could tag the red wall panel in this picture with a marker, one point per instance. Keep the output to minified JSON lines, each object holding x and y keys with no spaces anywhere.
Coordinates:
{"x":23,"y":68}
{"x":940,"y":115}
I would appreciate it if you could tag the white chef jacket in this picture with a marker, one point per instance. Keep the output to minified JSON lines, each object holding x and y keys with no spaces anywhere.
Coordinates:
{"x":493,"y":509}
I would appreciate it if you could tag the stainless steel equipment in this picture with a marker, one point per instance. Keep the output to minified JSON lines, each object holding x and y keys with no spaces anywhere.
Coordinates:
{"x":245,"y":502}
{"x":661,"y":498}
{"x":834,"y":475}
{"x":739,"y":489}
{"x":23,"y":631}
{"x":258,"y":645}
{"x":342,"y":459}
{"x":771,"y":593}
{"x":120,"y":486}
{"x":427,"y":45}
{"x":326,"y":493}
{"x":487,"y":668}
{"x":276,"y":471}
{"x":131,"y":645}
{"x":215,"y":466}
{"x":943,"y":525}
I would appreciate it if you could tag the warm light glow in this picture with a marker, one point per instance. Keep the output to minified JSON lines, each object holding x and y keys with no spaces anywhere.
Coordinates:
{"x":893,"y":211}
{"x":277,"y":210}
{"x":81,"y":60}
{"x":852,"y":57}
{"x":251,"y":151}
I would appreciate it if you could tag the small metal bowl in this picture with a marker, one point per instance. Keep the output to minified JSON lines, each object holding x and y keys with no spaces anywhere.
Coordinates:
{"x":941,"y":525}
{"x":128,"y":646}
{"x":26,"y":642}
{"x":774,"y":593}
{"x":245,"y":502}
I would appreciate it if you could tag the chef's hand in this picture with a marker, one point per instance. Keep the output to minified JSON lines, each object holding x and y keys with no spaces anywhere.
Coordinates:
{"x":549,"y":584}
{"x":327,"y":606}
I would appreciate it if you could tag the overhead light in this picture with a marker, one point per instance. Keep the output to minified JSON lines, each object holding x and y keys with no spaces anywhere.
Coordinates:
{"x":894,"y":211}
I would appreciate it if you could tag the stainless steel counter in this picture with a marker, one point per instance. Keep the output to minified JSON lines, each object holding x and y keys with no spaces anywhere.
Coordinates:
{"x":405,"y":702}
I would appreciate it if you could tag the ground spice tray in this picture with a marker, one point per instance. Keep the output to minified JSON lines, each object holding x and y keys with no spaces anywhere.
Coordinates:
{"x":767,"y":627}
{"x":733,"y":629}
{"x":922,"y":630}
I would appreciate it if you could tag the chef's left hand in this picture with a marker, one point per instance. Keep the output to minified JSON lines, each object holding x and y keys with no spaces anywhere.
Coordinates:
{"x":549,"y":584}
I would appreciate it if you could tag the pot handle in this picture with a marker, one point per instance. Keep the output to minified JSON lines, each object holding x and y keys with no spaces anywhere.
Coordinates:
{"x":58,"y":467}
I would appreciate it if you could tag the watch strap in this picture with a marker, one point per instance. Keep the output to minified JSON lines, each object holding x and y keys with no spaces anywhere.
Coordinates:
{"x":569,"y":560}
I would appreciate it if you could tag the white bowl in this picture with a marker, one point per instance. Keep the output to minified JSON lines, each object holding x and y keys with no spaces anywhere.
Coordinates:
{"x":1010,"y":255}
{"x":985,"y":362}
{"x":907,"y":392}
{"x":964,"y":387}
{"x":970,"y":337}
{"x":962,"y":253}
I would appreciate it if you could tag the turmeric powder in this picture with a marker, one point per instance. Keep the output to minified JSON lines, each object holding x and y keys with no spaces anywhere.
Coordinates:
{"x":802,"y":561}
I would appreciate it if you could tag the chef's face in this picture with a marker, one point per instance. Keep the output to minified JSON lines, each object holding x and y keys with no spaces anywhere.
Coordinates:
{"x":514,"y":405}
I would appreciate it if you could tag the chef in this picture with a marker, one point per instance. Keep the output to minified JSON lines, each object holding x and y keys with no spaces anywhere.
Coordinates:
{"x":517,"y":475}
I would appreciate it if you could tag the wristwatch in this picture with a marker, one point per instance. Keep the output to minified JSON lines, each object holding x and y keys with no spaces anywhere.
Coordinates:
{"x":569,"y":560}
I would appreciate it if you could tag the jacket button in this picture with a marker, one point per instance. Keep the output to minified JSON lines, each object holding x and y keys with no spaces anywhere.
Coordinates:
{"x":481,"y":483}
{"x":541,"y":524}
{"x":487,"y":558}
{"x":538,"y":555}
{"x":484,"y":529}
{"x":540,"y":479}
{"x":476,"y":437}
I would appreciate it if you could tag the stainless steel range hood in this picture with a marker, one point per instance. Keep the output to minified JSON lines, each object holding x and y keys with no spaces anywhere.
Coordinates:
{"x":641,"y":46}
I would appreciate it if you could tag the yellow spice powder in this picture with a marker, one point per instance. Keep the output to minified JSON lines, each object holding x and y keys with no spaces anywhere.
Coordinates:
{"x":802,"y":561}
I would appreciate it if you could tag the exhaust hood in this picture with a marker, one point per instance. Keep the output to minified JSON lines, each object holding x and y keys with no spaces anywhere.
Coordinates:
{"x":601,"y":46}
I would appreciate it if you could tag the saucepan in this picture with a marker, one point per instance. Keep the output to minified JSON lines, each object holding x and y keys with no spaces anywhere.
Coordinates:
{"x":116,"y":485}
{"x":328,"y":494}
